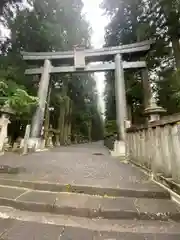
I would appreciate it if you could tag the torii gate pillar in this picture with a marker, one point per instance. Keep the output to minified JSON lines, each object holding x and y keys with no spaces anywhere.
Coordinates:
{"x":121,"y":109}
{"x":38,"y":118}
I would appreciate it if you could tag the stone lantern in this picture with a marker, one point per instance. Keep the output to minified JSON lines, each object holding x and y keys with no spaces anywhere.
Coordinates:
{"x":154,"y":111}
{"x":5,"y":112}
{"x":50,"y":136}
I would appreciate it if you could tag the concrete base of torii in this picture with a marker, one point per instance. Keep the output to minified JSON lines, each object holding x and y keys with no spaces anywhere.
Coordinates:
{"x":33,"y":143}
{"x":36,"y":144}
{"x":119,"y":149}
{"x":120,"y":146}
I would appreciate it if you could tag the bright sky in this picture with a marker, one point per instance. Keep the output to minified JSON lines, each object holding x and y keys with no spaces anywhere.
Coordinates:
{"x":94,"y":15}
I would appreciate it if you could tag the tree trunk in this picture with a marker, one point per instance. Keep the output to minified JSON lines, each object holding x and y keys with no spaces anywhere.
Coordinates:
{"x":61,"y":122}
{"x":66,"y":124}
{"x":70,"y":122}
{"x":57,"y":140}
{"x":146,"y":87}
{"x":90,"y":130}
{"x":176,"y":50}
{"x":62,"y":115}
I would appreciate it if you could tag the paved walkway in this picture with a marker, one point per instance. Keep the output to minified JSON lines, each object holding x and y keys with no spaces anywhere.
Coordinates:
{"x":78,"y":165}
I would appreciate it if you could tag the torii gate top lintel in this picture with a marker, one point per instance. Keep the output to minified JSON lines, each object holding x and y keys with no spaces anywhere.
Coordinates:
{"x":91,"y":54}
{"x":79,"y":59}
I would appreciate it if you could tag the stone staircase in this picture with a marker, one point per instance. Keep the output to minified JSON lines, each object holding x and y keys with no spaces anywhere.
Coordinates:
{"x":102,"y":213}
{"x":82,"y":193}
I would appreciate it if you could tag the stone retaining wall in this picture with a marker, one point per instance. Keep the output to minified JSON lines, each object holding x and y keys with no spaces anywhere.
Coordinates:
{"x":157,"y":146}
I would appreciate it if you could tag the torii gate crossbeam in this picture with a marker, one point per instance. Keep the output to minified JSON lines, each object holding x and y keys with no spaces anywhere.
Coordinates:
{"x":89,"y":68}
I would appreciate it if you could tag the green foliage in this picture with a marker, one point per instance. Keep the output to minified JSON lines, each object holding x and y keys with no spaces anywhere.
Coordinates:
{"x":137,"y":20}
{"x":168,"y":90}
{"x":22,"y":102}
{"x":124,"y":29}
{"x":47,"y":25}
{"x":12,"y":93}
{"x":110,"y":128}
{"x":18,"y":99}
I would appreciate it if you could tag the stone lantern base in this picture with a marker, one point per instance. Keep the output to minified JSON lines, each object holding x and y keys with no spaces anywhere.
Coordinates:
{"x":6,"y":111}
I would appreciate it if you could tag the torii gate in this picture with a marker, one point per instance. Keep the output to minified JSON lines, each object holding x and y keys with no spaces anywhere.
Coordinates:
{"x":79,"y":60}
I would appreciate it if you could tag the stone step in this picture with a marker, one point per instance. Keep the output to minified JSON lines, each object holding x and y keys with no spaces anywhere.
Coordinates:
{"x":83,"y":205}
{"x":16,"y":224}
{"x":145,"y":190}
{"x":29,"y":230}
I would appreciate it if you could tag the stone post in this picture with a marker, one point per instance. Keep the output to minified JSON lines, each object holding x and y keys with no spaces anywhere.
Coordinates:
{"x":121,"y":109}
{"x":26,"y":139}
{"x":38,"y":118}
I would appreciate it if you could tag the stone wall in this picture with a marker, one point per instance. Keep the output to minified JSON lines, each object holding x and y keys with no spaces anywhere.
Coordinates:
{"x":156,"y":146}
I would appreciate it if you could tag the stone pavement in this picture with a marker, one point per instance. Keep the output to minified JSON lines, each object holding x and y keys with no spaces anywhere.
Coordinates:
{"x":22,"y":225}
{"x":20,"y":230}
{"x":82,"y":192}
{"x":78,"y":165}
